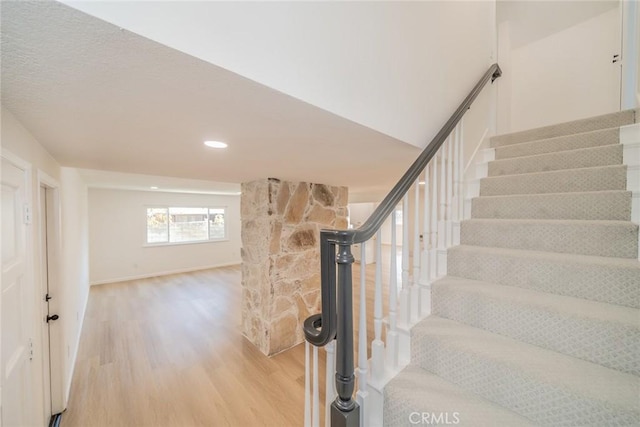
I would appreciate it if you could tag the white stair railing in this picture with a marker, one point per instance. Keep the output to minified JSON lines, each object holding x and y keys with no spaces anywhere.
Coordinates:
{"x":434,"y":227}
{"x":437,"y":212}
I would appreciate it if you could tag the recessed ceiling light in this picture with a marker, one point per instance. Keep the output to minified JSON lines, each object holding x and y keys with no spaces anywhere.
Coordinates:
{"x":421,"y":183}
{"x":215,"y":144}
{"x":154,"y":188}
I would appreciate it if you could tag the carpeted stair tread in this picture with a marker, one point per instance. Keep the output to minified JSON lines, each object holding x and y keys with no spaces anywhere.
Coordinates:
{"x":415,"y":390}
{"x":571,"y":159}
{"x":560,"y":143}
{"x":542,"y":385}
{"x":590,"y":124}
{"x":593,"y":205}
{"x":606,"y":334}
{"x":598,"y":178}
{"x":600,"y":238}
{"x":604,"y":279}
{"x":538,"y":318}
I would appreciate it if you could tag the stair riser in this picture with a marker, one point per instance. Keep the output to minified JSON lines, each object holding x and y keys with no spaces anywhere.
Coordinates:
{"x":546,"y":403}
{"x":609,"y":240}
{"x":567,"y":181}
{"x":415,"y":392}
{"x":615,"y":206}
{"x":570,"y":142}
{"x":590,"y":157}
{"x":608,"y":344}
{"x":580,"y":126}
{"x":608,"y":284}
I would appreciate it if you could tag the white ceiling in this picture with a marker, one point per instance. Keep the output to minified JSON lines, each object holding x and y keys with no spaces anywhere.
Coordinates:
{"x":99,"y":97}
{"x":394,"y":66}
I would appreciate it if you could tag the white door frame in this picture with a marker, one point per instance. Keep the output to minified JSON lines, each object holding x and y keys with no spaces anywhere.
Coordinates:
{"x":630,"y":92}
{"x":51,"y":337}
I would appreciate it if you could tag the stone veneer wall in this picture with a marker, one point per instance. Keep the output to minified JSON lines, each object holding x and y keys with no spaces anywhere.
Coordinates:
{"x":281,"y":223}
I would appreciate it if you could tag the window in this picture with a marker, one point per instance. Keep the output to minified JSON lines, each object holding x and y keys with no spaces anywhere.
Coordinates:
{"x":184,"y":225}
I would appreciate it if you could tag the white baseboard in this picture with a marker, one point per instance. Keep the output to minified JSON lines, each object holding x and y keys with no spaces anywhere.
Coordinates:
{"x":161,"y":273}
{"x":74,"y":357}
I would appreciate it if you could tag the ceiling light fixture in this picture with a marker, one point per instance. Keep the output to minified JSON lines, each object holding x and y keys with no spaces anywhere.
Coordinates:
{"x":421,"y":183}
{"x":154,"y":188}
{"x":215,"y":144}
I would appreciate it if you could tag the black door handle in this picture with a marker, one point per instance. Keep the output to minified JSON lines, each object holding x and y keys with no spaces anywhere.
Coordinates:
{"x":54,"y":317}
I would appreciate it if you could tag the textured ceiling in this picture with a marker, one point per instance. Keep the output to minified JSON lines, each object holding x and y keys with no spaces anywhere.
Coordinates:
{"x":99,"y":97}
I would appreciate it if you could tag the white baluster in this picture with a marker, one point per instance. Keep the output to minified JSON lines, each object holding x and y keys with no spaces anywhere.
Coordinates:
{"x":415,"y":289}
{"x":316,"y":393}
{"x":461,"y":171}
{"x":404,"y":294}
{"x":425,"y":291}
{"x":455,"y":203}
{"x":442,"y":222}
{"x":442,"y":199}
{"x":449,"y":197}
{"x":362,"y":394}
{"x":330,"y":384}
{"x":307,"y":386}
{"x":392,"y":332}
{"x":433,"y":261}
{"x":377,"y":346}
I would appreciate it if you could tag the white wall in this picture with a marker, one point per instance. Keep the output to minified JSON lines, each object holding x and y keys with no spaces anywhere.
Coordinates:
{"x":71,"y":293}
{"x":75,"y":267}
{"x":117,"y":230}
{"x":562,"y":76}
{"x":398,"y":67}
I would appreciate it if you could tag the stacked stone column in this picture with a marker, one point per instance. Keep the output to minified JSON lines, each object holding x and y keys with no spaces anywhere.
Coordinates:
{"x":281,"y":223}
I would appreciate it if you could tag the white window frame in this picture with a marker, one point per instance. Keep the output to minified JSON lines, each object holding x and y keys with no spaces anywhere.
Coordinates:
{"x":145,"y":243}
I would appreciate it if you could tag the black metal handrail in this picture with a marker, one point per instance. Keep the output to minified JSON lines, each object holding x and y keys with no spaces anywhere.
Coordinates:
{"x":336,"y":318}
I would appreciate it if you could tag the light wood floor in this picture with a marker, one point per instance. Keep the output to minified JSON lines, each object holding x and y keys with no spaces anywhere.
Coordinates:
{"x":168,"y":351}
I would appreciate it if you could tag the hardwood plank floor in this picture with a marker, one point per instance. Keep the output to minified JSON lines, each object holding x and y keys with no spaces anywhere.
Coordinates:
{"x":168,"y":351}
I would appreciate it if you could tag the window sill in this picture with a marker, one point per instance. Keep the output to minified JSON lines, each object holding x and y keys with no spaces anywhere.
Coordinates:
{"x":200,"y":242}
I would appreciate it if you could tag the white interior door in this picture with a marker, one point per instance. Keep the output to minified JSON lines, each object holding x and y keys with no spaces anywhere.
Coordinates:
{"x":17,"y":402}
{"x":44,"y":280}
{"x":49,"y":296}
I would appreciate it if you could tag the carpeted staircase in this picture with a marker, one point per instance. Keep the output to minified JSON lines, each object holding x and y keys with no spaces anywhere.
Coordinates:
{"x":538,"y":320}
